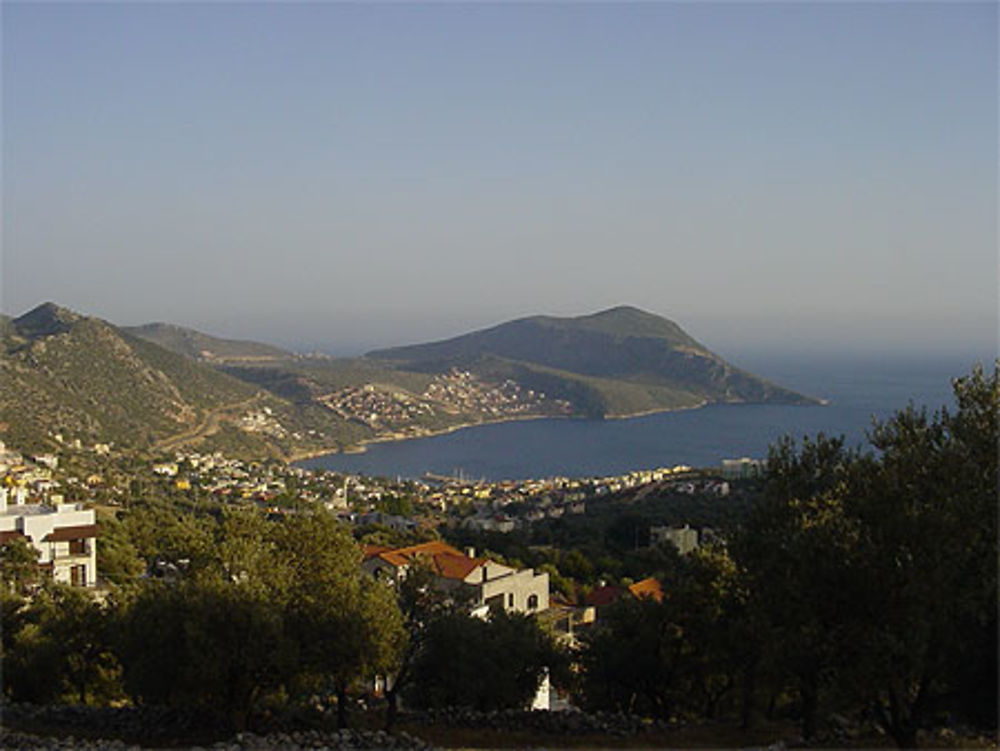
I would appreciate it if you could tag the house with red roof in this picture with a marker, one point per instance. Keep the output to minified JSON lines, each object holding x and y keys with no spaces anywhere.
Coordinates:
{"x":648,"y":587}
{"x":605,"y":595}
{"x":487,"y":583}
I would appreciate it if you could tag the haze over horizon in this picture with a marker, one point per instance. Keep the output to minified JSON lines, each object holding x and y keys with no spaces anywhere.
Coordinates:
{"x":346,"y":177}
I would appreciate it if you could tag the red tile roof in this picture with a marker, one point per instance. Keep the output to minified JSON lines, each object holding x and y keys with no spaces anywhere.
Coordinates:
{"x":370,"y":551}
{"x":601,"y":596}
{"x":446,"y":561}
{"x":456,"y":566}
{"x":648,"y":587}
{"x":427,"y":548}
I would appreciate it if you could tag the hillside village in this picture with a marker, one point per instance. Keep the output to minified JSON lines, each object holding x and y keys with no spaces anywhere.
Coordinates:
{"x":394,"y":412}
{"x":554,"y":577}
{"x":78,"y":479}
{"x":716,"y":282}
{"x":57,"y":501}
{"x":158,"y":517}
{"x":156,"y":388}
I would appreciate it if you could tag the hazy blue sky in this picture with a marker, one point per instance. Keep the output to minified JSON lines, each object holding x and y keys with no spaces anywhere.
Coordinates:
{"x":353,"y":175}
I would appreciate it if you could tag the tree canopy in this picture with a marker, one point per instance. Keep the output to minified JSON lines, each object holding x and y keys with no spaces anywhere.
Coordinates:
{"x":859,"y":582}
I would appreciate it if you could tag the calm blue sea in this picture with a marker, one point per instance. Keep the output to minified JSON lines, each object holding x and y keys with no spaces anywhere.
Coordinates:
{"x":859,"y":388}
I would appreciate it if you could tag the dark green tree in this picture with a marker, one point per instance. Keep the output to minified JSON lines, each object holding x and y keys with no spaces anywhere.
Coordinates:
{"x":347,"y":626}
{"x":32,"y":662}
{"x":118,"y":560}
{"x":159,"y":531}
{"x":670,"y":657}
{"x":204,"y":643}
{"x":421,"y":603}
{"x":262,"y":605}
{"x":56,"y":648}
{"x":799,"y":568}
{"x":18,"y":565}
{"x":497,"y":663}
{"x":927,"y":515}
{"x":627,"y":660}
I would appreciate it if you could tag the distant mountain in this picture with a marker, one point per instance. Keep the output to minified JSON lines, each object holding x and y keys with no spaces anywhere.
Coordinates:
{"x":162,"y":387}
{"x":6,"y":325}
{"x":615,"y":362}
{"x":48,"y":319}
{"x":70,"y":374}
{"x":201,"y":346}
{"x":65,"y":374}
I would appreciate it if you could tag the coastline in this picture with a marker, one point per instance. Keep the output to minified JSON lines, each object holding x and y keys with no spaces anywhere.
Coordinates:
{"x":647,"y":412}
{"x":362,"y":446}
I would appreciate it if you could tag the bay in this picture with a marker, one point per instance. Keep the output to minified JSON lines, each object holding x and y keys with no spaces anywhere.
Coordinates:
{"x":858,"y":388}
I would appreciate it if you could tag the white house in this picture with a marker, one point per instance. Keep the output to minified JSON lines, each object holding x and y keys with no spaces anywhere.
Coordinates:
{"x":743,"y":468}
{"x":64,"y":536}
{"x":490,"y":523}
{"x":683,"y":538}
{"x":490,"y":584}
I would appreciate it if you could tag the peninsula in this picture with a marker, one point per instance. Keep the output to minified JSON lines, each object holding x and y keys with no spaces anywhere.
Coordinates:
{"x":64,"y":371}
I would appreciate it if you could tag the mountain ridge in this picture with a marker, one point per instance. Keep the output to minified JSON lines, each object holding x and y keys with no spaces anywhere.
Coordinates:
{"x":621,"y":344}
{"x":622,"y":321}
{"x":192,"y":343}
{"x":82,"y":378}
{"x":158,"y":387}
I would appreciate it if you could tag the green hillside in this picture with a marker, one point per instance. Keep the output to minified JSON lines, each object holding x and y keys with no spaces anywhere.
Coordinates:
{"x":78,"y":376}
{"x":622,"y":322}
{"x":164,"y":388}
{"x":65,"y":374}
{"x":316,"y":375}
{"x":191,"y":343}
{"x":619,"y":361}
{"x":591,"y":396}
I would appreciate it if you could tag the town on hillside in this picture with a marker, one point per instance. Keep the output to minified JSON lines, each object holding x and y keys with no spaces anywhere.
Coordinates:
{"x":56,"y":501}
{"x":632,"y":605}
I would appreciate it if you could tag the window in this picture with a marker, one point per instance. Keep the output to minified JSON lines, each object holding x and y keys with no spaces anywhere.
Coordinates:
{"x":532,"y":602}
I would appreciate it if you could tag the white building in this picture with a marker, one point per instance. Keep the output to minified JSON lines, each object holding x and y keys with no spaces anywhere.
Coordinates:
{"x":490,"y":523}
{"x":683,"y":538}
{"x":489,"y":583}
{"x":64,"y":536}
{"x":743,"y":468}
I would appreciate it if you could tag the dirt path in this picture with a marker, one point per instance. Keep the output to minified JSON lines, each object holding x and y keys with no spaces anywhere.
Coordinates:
{"x":209,"y":424}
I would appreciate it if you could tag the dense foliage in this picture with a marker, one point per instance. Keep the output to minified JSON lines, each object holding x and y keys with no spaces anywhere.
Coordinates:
{"x":241,"y":607}
{"x":496,"y":663}
{"x":859,"y":584}
{"x":850,"y":585}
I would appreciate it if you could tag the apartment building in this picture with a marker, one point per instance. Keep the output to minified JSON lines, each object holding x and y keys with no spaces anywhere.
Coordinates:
{"x":64,"y":534}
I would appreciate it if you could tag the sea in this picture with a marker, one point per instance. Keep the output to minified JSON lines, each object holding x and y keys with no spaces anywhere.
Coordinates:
{"x":858,"y":388}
